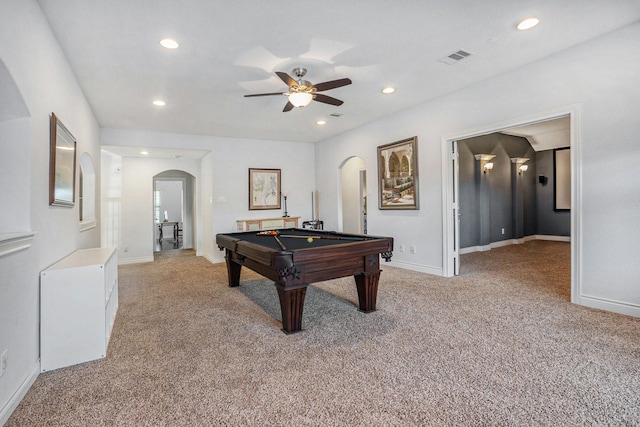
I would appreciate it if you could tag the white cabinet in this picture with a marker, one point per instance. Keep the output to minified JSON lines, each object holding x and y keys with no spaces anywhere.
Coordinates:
{"x":78,"y":305}
{"x":259,"y":224}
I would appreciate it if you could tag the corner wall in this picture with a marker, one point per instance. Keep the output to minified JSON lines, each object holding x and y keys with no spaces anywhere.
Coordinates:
{"x":609,"y":97}
{"x":46,"y":83}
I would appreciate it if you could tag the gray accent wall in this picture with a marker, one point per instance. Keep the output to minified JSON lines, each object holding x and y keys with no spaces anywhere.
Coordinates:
{"x":550,"y":222}
{"x":503,"y":198}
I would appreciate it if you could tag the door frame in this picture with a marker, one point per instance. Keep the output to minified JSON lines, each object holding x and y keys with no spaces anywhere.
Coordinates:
{"x":450,"y":177}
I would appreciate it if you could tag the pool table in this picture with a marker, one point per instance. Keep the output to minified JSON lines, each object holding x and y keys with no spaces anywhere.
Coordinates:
{"x":295,"y":258}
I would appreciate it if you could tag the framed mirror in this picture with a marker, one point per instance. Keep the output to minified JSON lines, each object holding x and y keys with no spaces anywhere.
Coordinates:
{"x":62,"y":165}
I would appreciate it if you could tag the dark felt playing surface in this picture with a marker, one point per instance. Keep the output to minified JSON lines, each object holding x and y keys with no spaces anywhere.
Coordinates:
{"x":293,"y":244}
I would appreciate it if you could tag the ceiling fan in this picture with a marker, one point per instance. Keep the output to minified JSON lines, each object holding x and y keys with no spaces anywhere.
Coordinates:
{"x":301,"y":92}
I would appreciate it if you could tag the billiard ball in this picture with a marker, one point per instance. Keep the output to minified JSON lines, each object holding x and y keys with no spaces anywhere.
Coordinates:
{"x":310,"y":239}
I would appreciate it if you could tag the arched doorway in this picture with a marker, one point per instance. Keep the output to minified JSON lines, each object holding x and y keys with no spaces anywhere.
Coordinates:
{"x":173,"y":210}
{"x":352,"y":214}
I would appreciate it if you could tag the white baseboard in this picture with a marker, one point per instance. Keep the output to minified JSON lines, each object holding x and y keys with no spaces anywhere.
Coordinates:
{"x":609,"y":305}
{"x":138,"y":260}
{"x":509,"y":242}
{"x":213,"y":260}
{"x":554,"y":238}
{"x":19,"y":394}
{"x":413,"y":267}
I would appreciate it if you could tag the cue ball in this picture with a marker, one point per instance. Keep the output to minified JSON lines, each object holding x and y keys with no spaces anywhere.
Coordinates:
{"x":310,"y":239}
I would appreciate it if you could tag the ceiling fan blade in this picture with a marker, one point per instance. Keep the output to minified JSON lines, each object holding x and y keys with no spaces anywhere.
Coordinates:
{"x":264,"y":94}
{"x":287,"y":79}
{"x":288,"y":107}
{"x":327,"y":99}
{"x":331,"y":84}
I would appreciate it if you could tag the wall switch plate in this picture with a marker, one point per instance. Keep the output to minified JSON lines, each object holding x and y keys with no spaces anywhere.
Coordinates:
{"x":412,"y":249}
{"x":401,"y":248}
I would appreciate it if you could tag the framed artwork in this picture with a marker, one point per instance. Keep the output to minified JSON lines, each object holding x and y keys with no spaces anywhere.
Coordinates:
{"x":62,"y":165}
{"x":398,"y":175}
{"x":264,"y":189}
{"x":562,"y":179}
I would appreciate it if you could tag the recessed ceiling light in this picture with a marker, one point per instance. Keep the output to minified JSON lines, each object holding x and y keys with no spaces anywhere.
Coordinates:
{"x":388,"y":90}
{"x":144,"y":153}
{"x":159,"y":103}
{"x":321,"y":122}
{"x":528,"y":24}
{"x":169,"y":43}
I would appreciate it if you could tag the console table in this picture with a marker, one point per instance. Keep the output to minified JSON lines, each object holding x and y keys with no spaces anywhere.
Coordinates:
{"x":259,"y":224}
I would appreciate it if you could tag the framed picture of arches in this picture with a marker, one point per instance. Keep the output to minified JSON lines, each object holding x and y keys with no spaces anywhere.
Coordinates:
{"x":398,"y":175}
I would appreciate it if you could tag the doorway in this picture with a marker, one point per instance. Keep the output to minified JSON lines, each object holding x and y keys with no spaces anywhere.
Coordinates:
{"x":451,"y":176}
{"x":173,"y":210}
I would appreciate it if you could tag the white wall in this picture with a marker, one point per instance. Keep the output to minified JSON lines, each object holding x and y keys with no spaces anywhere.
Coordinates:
{"x":170,"y":199}
{"x":592,"y":75}
{"x":221,"y":184}
{"x":44,"y":79}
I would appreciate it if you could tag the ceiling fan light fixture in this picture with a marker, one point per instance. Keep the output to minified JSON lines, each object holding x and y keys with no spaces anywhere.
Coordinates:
{"x":300,"y":99}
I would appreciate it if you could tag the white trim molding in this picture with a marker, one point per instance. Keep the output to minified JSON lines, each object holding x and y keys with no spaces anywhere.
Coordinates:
{"x":508,"y":242}
{"x":608,"y":305}
{"x":414,"y":267}
{"x":14,"y":242}
{"x":87,"y":225}
{"x":18,"y":395}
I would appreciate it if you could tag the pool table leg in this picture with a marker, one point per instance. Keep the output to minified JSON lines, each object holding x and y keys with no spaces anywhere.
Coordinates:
{"x":233,"y":272}
{"x":367,"y":285}
{"x":291,"y":305}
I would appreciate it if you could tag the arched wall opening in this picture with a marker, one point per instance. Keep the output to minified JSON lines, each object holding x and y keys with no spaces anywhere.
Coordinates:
{"x":174,"y":201}
{"x":352,"y":196}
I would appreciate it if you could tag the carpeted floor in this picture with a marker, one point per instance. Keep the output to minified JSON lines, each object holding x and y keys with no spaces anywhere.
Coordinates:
{"x":498,"y":345}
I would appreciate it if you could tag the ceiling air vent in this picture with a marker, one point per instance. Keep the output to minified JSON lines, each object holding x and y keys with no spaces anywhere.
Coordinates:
{"x":455,"y":57}
{"x":335,"y":114}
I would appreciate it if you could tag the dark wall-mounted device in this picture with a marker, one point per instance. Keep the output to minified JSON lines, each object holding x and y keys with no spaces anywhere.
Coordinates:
{"x":543,"y":179}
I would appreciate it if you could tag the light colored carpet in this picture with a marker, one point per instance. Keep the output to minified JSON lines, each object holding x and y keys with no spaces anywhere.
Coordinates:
{"x":498,"y":345}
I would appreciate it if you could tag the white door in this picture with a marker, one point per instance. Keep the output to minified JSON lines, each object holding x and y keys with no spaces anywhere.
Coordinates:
{"x":455,"y":208}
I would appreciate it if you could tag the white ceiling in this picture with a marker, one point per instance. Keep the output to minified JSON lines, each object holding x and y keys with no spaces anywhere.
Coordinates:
{"x":232,"y":48}
{"x":545,"y":135}
{"x":155,"y":152}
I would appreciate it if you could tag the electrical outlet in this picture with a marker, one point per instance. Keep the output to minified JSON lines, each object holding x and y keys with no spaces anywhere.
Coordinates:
{"x":412,"y":249}
{"x":4,"y":360}
{"x":503,"y":231}
{"x":401,"y":248}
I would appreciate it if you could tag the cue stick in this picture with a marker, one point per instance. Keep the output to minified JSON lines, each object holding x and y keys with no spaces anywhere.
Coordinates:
{"x":282,"y":246}
{"x":275,"y":234}
{"x":296,"y":236}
